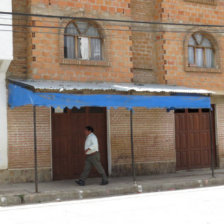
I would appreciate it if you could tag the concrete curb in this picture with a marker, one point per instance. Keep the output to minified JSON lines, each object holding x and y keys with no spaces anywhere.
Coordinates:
{"x":57,"y":196}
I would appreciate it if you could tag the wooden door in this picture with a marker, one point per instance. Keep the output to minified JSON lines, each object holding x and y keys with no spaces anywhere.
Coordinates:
{"x":68,"y":140}
{"x":193,"y":142}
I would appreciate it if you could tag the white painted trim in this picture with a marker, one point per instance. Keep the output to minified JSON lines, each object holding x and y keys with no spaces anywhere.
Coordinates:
{"x":109,"y":144}
{"x":3,"y":116}
{"x":6,"y":49}
{"x":6,"y":38}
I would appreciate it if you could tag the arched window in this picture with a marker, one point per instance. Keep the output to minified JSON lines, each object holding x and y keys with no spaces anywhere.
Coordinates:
{"x":82,"y":41}
{"x":200,"y":51}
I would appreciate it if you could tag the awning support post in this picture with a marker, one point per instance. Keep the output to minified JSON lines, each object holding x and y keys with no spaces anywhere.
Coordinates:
{"x":211,"y":137}
{"x":132,"y":147}
{"x":35,"y":149}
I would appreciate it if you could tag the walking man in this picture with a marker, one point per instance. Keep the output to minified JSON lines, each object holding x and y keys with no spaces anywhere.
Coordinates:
{"x":92,"y":158}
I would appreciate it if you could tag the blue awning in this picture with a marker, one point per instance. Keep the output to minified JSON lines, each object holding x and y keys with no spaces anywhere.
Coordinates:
{"x":21,"y":96}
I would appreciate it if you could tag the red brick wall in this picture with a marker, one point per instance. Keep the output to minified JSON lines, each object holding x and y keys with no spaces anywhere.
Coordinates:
{"x":163,"y":54}
{"x":154,"y":141}
{"x":18,"y":66}
{"x":46,"y":50}
{"x":174,"y":50}
{"x":20,"y":137}
{"x":143,"y":40}
{"x":142,"y":10}
{"x":180,"y":10}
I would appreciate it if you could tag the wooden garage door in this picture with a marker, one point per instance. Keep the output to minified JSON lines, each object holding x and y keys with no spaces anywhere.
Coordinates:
{"x":193,"y":146}
{"x":68,"y":140}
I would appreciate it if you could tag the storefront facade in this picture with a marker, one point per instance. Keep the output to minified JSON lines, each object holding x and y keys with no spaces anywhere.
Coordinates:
{"x":93,"y":51}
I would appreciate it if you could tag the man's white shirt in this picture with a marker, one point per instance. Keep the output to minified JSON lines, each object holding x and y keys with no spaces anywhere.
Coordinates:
{"x":92,"y":144}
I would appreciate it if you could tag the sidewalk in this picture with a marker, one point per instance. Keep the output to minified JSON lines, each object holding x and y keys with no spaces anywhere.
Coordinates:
{"x":16,"y":194}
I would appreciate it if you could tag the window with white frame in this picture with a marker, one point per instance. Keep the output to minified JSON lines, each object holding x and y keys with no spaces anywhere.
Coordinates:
{"x":200,"y":52}
{"x":82,"y":41}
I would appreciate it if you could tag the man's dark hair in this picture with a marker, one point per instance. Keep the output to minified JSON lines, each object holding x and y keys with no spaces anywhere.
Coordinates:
{"x":89,"y":128}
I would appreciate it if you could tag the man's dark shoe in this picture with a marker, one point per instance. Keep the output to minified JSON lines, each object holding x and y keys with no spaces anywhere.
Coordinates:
{"x":80,"y":182}
{"x":104,"y":182}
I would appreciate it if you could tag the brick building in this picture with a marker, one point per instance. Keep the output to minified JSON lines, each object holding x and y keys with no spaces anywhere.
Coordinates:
{"x":62,"y":49}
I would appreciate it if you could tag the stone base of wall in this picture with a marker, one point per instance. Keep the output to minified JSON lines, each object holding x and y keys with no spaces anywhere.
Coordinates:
{"x":24,"y":175}
{"x":144,"y":168}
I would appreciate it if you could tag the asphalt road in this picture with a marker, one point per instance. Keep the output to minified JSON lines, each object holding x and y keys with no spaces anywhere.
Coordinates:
{"x":198,"y":206}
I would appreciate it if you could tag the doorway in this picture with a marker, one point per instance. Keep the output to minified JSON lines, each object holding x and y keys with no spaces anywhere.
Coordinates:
{"x":193,"y":141}
{"x":68,"y":140}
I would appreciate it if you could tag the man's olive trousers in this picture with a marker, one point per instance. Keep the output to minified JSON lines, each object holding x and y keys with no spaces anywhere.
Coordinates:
{"x":93,"y":160}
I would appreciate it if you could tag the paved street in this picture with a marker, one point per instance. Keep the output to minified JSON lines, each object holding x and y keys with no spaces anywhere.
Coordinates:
{"x":198,"y":206}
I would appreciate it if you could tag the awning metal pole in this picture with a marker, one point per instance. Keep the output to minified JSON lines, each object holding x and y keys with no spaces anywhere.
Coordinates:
{"x":35,"y":149}
{"x":211,"y":137}
{"x":132,"y":147}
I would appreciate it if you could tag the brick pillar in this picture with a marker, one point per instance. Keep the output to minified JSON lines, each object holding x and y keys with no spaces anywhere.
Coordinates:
{"x":219,"y":134}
